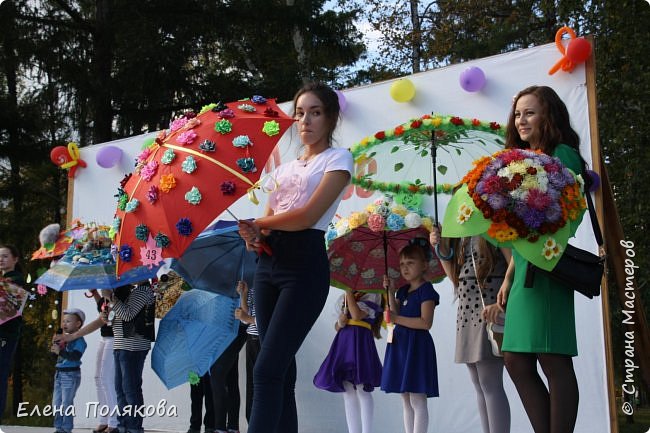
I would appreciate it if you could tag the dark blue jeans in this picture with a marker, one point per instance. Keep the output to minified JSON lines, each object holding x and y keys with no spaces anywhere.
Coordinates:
{"x":290,"y":291}
{"x":7,"y":349}
{"x":128,"y":388}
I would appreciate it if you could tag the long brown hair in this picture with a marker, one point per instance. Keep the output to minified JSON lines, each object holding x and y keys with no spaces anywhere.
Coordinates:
{"x":485,"y":250}
{"x":555,"y":126}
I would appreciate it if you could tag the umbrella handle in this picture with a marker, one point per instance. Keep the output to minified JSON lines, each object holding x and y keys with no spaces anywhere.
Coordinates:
{"x":264,"y":247}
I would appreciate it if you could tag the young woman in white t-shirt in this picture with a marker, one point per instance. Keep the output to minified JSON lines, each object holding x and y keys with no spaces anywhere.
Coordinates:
{"x":292,"y":283}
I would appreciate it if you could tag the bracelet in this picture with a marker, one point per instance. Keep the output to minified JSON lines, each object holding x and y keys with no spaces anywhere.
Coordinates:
{"x":443,"y":257}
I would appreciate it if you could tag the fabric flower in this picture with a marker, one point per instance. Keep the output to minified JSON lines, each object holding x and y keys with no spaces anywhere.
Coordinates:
{"x":376,"y":222}
{"x":247,"y":108}
{"x":132,"y":205}
{"x":126,"y":253}
{"x":271,"y":128}
{"x":168,"y":157}
{"x":551,"y":249}
{"x":144,"y":155}
{"x":383,"y":210}
{"x":412,"y":220}
{"x":395,"y":222}
{"x":226,"y":114}
{"x":247,"y":165}
{"x":162,"y":241}
{"x":427,"y":223}
{"x":186,"y":137}
{"x":193,"y":378}
{"x":189,"y":165}
{"x":122,"y":200}
{"x":399,"y":209}
{"x":193,"y":196}
{"x":117,"y":223}
{"x":223,"y":127}
{"x":270,"y":112}
{"x":218,"y":107}
{"x":228,"y":187}
{"x":207,"y":146}
{"x":125,"y":179}
{"x":167,"y":182}
{"x":242,"y":141}
{"x":184,"y":227}
{"x":342,"y":226}
{"x":177,"y":124}
{"x":257,"y":99}
{"x":141,"y":232}
{"x":152,"y":194}
{"x":149,"y":170}
{"x":357,"y":219}
{"x":207,"y":108}
{"x":330,"y":235}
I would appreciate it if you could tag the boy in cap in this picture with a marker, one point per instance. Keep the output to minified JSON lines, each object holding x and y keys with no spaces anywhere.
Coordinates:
{"x":68,"y":372}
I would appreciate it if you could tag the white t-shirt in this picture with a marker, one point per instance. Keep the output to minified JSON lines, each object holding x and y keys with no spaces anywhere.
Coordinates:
{"x":298,"y":180}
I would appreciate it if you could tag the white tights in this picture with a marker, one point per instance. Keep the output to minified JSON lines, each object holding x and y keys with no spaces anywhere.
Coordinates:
{"x":359,"y":408}
{"x":487,"y":377}
{"x":416,"y":413}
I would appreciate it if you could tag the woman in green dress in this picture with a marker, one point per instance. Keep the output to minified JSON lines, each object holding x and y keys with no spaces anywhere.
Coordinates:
{"x":540,"y":320}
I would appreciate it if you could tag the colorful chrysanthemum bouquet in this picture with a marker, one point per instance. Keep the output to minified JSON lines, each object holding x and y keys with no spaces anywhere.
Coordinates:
{"x":521,"y":198}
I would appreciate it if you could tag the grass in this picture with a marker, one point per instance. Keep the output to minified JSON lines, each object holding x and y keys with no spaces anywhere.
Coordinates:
{"x":641,"y":421}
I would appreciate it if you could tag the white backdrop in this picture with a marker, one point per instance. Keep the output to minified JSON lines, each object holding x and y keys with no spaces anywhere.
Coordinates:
{"x":370,"y":109}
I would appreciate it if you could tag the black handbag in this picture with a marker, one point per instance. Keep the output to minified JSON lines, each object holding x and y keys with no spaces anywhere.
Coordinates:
{"x":578,"y":269}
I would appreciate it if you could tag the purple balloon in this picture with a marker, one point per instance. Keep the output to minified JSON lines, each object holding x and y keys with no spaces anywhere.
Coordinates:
{"x":342,"y":102}
{"x":472,"y":79}
{"x":108,"y":156}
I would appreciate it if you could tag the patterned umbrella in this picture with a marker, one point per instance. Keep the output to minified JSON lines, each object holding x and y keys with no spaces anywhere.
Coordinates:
{"x":365,"y":246}
{"x":191,"y":174}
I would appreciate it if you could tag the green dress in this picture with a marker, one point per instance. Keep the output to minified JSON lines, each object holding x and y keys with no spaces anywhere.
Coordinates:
{"x":541,"y":319}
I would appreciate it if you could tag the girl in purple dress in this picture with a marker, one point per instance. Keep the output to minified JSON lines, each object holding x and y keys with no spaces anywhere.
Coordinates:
{"x":410,"y":363}
{"x":352,"y":365}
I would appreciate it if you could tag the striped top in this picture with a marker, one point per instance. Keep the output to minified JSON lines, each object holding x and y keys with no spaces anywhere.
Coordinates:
{"x":140,"y":296}
{"x":252,"y":328}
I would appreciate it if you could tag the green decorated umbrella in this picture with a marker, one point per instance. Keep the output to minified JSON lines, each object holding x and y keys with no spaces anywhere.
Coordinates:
{"x":398,"y":160}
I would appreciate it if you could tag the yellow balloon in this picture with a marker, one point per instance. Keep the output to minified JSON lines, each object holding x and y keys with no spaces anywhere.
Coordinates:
{"x":402,"y":90}
{"x":55,"y":314}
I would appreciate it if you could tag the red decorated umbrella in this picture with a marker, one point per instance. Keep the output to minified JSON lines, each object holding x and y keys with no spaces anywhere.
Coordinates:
{"x":190,"y":174}
{"x":365,"y":246}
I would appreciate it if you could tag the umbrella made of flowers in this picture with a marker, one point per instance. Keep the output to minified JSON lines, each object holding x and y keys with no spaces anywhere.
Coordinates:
{"x":190,"y":174}
{"x":398,"y":160}
{"x":519,"y":198}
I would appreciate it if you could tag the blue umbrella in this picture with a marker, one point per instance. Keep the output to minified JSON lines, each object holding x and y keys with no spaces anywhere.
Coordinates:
{"x":216,"y":260}
{"x":95,"y":269}
{"x":192,"y":335}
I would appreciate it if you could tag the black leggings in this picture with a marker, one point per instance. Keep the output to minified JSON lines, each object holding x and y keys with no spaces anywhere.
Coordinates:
{"x":291,"y":288}
{"x":552,"y":410}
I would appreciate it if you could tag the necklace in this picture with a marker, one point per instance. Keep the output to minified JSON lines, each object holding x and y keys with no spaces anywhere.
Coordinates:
{"x":305,"y":162}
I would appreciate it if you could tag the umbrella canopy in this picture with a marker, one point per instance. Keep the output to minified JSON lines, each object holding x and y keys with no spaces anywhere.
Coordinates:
{"x":399,"y":160}
{"x":216,"y":260}
{"x":12,"y":300}
{"x":522,"y":199}
{"x":365,"y":246}
{"x":192,"y":335}
{"x":91,"y":265}
{"x":191,"y":174}
{"x":64,"y":239}
{"x":66,"y":275}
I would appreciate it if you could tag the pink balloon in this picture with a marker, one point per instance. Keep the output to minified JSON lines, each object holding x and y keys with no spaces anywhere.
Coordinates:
{"x":472,"y":79}
{"x":108,"y":156}
{"x":342,"y":102}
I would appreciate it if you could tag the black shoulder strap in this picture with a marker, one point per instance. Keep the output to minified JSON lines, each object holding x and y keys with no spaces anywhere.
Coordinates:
{"x":594,"y":220}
